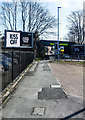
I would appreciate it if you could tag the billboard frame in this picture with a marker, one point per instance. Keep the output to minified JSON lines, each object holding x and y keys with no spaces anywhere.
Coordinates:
{"x":78,"y":46}
{"x":20,"y":39}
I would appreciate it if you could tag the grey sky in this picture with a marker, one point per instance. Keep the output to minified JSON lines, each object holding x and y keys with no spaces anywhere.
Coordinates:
{"x":67,"y":7}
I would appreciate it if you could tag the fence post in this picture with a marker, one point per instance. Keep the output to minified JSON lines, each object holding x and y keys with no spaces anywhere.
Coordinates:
{"x":71,"y":57}
{"x":12,"y":65}
{"x":19,"y":62}
{"x":78,"y":57}
{"x":64,"y":58}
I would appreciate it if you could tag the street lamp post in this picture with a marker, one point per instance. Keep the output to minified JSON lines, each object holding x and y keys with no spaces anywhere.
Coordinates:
{"x":58,"y":36}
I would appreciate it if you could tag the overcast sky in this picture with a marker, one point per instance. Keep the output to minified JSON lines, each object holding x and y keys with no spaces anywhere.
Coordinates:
{"x":67,"y":6}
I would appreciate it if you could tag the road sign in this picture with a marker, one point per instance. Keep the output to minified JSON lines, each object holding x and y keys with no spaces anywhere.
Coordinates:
{"x":18,"y":39}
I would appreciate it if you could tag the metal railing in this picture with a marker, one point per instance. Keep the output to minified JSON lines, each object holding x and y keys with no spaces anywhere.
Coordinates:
{"x":74,"y":57}
{"x":13,"y":63}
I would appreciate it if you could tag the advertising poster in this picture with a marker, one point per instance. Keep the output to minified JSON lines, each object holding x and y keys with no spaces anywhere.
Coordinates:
{"x":12,"y":39}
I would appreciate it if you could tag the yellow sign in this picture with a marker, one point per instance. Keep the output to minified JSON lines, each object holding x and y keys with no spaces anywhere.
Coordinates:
{"x":62,"y":50}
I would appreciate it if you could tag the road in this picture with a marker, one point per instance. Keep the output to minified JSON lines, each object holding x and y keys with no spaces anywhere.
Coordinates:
{"x":70,"y":76}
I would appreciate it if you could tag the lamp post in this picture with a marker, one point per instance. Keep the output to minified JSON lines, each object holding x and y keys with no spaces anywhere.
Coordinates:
{"x":58,"y":36}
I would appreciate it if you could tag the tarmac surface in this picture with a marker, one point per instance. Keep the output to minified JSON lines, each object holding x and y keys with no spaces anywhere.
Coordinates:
{"x":70,"y":75}
{"x":40,"y":95}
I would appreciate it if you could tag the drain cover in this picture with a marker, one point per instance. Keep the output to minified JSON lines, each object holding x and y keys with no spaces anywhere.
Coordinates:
{"x":38,"y":111}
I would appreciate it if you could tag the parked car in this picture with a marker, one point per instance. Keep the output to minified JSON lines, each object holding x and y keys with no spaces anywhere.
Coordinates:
{"x":5,"y":62}
{"x":66,"y":56}
{"x":8,"y":59}
{"x":4,"y":66}
{"x":16,"y":57}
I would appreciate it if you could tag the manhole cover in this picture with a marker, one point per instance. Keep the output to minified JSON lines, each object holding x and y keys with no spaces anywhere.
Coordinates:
{"x":38,"y":111}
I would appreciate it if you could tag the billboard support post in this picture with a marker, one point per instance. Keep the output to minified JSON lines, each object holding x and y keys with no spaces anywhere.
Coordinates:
{"x":12,"y":65}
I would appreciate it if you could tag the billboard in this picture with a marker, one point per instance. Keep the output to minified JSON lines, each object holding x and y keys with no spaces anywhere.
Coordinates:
{"x":18,"y":39}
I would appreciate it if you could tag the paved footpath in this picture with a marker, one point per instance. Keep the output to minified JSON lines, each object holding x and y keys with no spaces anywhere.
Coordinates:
{"x":39,"y":95}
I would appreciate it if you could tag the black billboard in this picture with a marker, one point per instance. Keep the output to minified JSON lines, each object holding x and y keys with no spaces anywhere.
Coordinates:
{"x":26,"y":39}
{"x":67,"y":50}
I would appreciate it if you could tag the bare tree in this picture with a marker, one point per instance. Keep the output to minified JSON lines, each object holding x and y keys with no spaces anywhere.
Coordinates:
{"x":40,"y":19}
{"x":34,"y":16}
{"x":24,"y":9}
{"x":8,"y":15}
{"x":15,"y":14}
{"x":76,"y":27}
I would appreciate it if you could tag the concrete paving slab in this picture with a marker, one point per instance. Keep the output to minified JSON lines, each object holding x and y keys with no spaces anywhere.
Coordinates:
{"x":46,"y":68}
{"x":23,"y":107}
{"x":30,"y":93}
{"x":34,"y":66}
{"x":30,"y":73}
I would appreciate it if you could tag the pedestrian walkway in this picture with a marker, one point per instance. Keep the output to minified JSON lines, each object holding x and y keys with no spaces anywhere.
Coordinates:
{"x":40,"y":95}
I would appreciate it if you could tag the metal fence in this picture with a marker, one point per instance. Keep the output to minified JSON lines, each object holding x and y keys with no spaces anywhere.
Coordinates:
{"x":13,"y":63}
{"x":74,"y":57}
